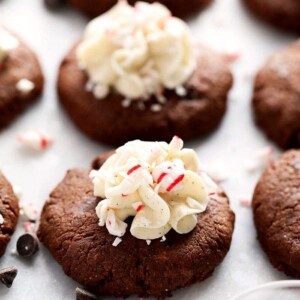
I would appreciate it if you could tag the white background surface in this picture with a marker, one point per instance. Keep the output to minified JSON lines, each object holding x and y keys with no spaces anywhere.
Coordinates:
{"x":226,"y":26}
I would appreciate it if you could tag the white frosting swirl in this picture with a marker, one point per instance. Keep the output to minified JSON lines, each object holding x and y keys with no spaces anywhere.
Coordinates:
{"x":137,"y":50}
{"x":156,"y":183}
{"x":7,"y":43}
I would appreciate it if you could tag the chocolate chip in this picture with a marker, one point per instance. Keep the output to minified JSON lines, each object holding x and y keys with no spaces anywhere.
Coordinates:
{"x":53,"y":4}
{"x":82,"y":294}
{"x":8,"y":275}
{"x":27,"y":245}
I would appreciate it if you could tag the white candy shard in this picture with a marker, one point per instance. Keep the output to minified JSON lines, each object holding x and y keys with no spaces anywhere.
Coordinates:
{"x":117,"y":241}
{"x":25,"y":86}
{"x":1,"y":219}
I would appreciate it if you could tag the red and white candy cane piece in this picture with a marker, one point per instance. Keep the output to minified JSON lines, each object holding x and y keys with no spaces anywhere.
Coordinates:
{"x":176,"y":144}
{"x":138,"y":206}
{"x":133,"y":169}
{"x":29,"y":212}
{"x":35,"y":140}
{"x":245,"y":201}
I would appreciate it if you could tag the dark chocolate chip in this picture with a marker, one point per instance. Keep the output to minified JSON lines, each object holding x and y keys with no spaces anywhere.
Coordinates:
{"x":27,"y":245}
{"x":53,"y":4}
{"x":8,"y":275}
{"x":82,"y":294}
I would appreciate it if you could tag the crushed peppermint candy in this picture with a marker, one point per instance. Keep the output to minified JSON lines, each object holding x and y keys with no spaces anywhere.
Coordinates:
{"x":156,"y":107}
{"x":163,"y":239}
{"x":181,"y":91}
{"x":126,"y":103}
{"x":245,"y":201}
{"x":260,"y":160}
{"x":138,"y":206}
{"x":232,"y":57}
{"x":148,"y":242}
{"x":25,"y":86}
{"x":29,"y":212}
{"x":218,"y":171}
{"x":1,"y":219}
{"x":100,"y":91}
{"x":89,"y":86}
{"x":117,"y":242}
{"x":35,"y":140}
{"x":17,"y":191}
{"x":29,"y":227}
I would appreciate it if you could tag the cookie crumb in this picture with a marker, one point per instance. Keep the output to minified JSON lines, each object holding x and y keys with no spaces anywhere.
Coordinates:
{"x":8,"y":275}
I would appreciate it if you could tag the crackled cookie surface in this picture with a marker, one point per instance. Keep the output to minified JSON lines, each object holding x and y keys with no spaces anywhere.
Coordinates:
{"x":21,"y":79}
{"x":276,"y":208}
{"x":276,"y":98}
{"x":9,"y":212}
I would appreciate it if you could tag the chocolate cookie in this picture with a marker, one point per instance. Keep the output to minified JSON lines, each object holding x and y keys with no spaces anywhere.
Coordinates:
{"x":276,"y":99}
{"x":197,"y":113}
{"x":283,"y":14}
{"x":276,"y":208}
{"x":69,"y":229}
{"x":181,"y":8}
{"x":9,"y":212}
{"x":21,"y":82}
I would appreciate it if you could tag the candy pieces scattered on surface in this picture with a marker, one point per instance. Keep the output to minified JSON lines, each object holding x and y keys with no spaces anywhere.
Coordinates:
{"x":8,"y":275}
{"x":1,"y":219}
{"x":217,"y":171}
{"x":260,"y":159}
{"x":245,"y":201}
{"x":82,"y":294}
{"x":35,"y":140}
{"x":29,"y":212}
{"x":27,"y":245}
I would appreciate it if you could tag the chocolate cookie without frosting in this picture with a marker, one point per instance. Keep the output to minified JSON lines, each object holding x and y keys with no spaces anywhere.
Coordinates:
{"x":283,"y":14}
{"x":276,"y":99}
{"x":9,"y":212}
{"x":21,"y":82}
{"x":180,"y":8}
{"x":190,"y":116}
{"x":276,"y":208}
{"x":69,"y":229}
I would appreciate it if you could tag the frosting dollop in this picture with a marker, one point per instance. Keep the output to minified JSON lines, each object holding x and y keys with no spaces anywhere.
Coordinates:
{"x":138,"y":51}
{"x":7,"y":43}
{"x":158,"y":184}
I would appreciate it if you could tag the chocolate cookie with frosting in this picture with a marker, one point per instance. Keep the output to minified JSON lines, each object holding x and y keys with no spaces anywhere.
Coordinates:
{"x":282,"y":14}
{"x":147,"y":222}
{"x":276,"y":209}
{"x":21,"y":79}
{"x":138,"y":74}
{"x":9,"y":212}
{"x":276,"y":98}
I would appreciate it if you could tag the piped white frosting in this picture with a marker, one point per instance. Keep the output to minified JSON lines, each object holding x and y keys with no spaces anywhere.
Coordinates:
{"x":158,"y":184}
{"x":137,"y":51}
